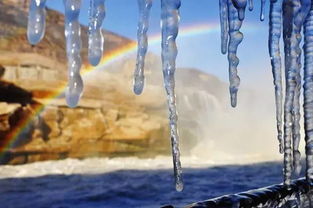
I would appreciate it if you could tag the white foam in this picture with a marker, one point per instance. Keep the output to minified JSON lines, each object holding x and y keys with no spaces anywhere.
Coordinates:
{"x":103,"y":165}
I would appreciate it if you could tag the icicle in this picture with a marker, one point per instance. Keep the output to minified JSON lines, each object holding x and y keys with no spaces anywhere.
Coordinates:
{"x":241,"y":7}
{"x":262,"y":10}
{"x":305,"y":5}
{"x":287,"y":22}
{"x":308,"y":94}
{"x":294,"y":13}
{"x":169,"y":24}
{"x":224,"y":25}
{"x":143,"y":25}
{"x":275,"y":22}
{"x":36,"y":21}
{"x":296,"y":122}
{"x":95,"y":37}
{"x":73,"y":47}
{"x":250,"y":5}
{"x":235,"y":38}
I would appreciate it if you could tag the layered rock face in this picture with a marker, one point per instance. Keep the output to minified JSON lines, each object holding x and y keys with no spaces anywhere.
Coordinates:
{"x":36,"y":124}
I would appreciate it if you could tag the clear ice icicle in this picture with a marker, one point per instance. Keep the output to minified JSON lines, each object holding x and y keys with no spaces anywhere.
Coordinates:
{"x":262,"y":10}
{"x":250,"y":5}
{"x":275,"y":24}
{"x":235,"y":38}
{"x":241,"y":7}
{"x":294,"y":12}
{"x":288,"y":105}
{"x":95,"y":37}
{"x":308,"y":94}
{"x":296,"y":122}
{"x":143,"y":25}
{"x":36,"y":21}
{"x":169,"y":25}
{"x":223,"y":8}
{"x":73,"y":47}
{"x":305,"y":6}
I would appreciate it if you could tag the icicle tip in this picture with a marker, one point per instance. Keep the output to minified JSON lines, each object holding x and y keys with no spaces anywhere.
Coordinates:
{"x":94,"y":60}
{"x":262,"y":17}
{"x":72,"y":99}
{"x":179,"y":187}
{"x":233,"y":99}
{"x":138,"y":85}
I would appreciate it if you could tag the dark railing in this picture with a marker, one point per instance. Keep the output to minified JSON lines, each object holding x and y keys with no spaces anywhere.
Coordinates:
{"x":298,"y":194}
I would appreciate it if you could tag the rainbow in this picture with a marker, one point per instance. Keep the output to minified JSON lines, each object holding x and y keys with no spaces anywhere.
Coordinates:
{"x":108,"y":58}
{"x":184,"y":32}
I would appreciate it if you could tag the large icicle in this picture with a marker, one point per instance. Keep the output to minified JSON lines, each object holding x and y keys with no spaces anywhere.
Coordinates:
{"x":294,"y":12}
{"x":169,"y":24}
{"x":73,"y":47}
{"x":224,"y":25}
{"x":36,"y":21}
{"x":308,"y":94}
{"x":262,"y":10}
{"x":235,"y":38}
{"x":305,"y":7}
{"x":143,"y":25}
{"x":290,"y":85}
{"x":95,"y":37}
{"x":275,"y":24}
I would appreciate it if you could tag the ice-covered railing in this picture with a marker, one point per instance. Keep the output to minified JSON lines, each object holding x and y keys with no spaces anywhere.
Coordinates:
{"x":287,"y":18}
{"x":297,"y":194}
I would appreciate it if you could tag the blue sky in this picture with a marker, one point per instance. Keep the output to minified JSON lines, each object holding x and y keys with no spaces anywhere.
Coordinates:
{"x":199,"y":51}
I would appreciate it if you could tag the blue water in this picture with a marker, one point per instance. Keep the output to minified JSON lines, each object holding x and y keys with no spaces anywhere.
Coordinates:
{"x":134,"y":188}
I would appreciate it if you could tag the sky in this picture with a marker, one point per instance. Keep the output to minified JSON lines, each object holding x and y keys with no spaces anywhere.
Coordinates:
{"x":201,"y":51}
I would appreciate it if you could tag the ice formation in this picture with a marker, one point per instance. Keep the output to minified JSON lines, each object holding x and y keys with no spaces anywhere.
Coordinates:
{"x":235,"y":38}
{"x":232,"y":13}
{"x":169,"y":25}
{"x":275,"y":29}
{"x":250,"y":5}
{"x":36,"y":21}
{"x":294,"y":14}
{"x":73,"y":48}
{"x":308,"y":93}
{"x":262,"y":10}
{"x":224,"y":25}
{"x":95,"y":37}
{"x":143,"y":25}
{"x":287,"y":18}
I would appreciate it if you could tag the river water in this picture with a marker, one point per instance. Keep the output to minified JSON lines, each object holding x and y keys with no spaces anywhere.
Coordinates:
{"x":126,"y":182}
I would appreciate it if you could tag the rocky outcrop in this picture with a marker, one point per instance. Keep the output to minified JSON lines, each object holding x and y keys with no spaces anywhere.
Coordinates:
{"x":29,"y":133}
{"x":61,"y":132}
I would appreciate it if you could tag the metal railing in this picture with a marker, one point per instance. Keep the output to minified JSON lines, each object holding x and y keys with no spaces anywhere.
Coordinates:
{"x":298,"y":194}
